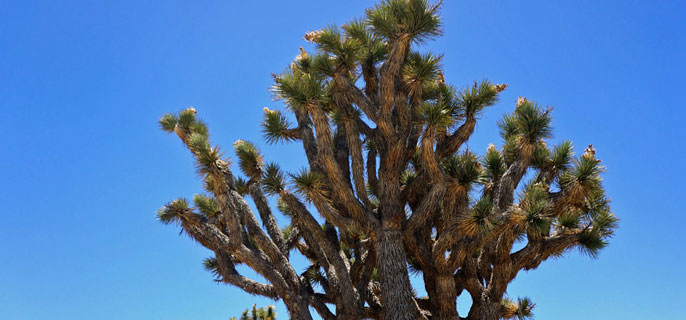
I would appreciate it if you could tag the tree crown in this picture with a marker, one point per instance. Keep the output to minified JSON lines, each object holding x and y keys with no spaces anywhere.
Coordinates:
{"x":386,"y":173}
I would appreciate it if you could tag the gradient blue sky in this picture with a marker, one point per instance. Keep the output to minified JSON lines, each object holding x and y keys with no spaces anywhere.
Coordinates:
{"x":84,"y":166}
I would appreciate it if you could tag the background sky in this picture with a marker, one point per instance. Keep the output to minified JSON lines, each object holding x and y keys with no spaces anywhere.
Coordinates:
{"x":84,"y":167}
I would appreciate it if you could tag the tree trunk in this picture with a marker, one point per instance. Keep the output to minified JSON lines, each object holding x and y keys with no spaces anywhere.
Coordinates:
{"x":447,"y":295}
{"x":484,"y":310}
{"x":298,"y":307}
{"x":396,"y":291}
{"x":429,"y":275}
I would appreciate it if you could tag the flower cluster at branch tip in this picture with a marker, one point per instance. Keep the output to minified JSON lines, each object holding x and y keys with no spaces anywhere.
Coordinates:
{"x":312,"y":36}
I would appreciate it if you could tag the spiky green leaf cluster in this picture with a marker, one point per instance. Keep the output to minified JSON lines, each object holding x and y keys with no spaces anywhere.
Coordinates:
{"x":601,"y":223}
{"x":407,"y":176}
{"x":283,"y":207}
{"x":170,"y":212}
{"x":479,"y":220}
{"x":562,"y":155}
{"x":299,"y":88}
{"x":443,"y":94}
{"x":241,"y":186}
{"x":529,"y":122}
{"x":249,"y":158}
{"x":211,"y":265}
{"x":463,"y":167}
{"x":308,"y":183}
{"x":287,"y":231}
{"x":420,"y":69}
{"x":373,"y":49}
{"x":417,"y":19}
{"x":493,"y":163}
{"x":584,"y":176}
{"x":533,"y":202}
{"x":208,"y":184}
{"x":206,"y":205}
{"x":186,"y":120}
{"x":437,"y":115}
{"x":568,"y":220}
{"x":345,"y":50}
{"x":524,"y":131}
{"x":273,"y":179}
{"x":591,"y":243}
{"x":206,"y":157}
{"x":476,"y":98}
{"x":525,"y":309}
{"x":313,"y":274}
{"x":275,"y":127}
{"x":323,"y":65}
{"x":521,"y":310}
{"x":540,"y":155}
{"x":168,"y":122}
{"x":195,"y":134}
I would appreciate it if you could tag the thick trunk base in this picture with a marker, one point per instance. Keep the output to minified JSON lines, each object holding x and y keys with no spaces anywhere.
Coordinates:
{"x":396,"y":291}
{"x":485,"y":311}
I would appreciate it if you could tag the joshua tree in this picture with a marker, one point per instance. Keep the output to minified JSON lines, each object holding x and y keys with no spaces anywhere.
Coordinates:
{"x":258,"y":314}
{"x":393,"y":188}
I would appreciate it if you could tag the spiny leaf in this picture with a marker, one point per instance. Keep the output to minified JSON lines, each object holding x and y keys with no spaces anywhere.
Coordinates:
{"x":478,"y":97}
{"x":493,"y":162}
{"x":562,"y":155}
{"x":587,"y":169}
{"x":298,"y":88}
{"x":533,"y":202}
{"x":206,"y":157}
{"x":308,"y":183}
{"x":464,"y":167}
{"x":275,"y":127}
{"x":533,"y":122}
{"x":286,"y":231}
{"x":186,"y":118}
{"x":436,"y":115}
{"x":509,"y":308}
{"x":199,"y":127}
{"x":478,"y":221}
{"x":540,"y":155}
{"x":357,"y":29}
{"x":416,"y":18}
{"x":283,"y":207}
{"x":250,"y":159}
{"x":168,"y":122}
{"x":206,"y":205}
{"x":323,"y":65}
{"x":591,"y":243}
{"x":568,"y":220}
{"x":508,"y":126}
{"x":420,"y":69}
{"x":346,"y":50}
{"x":407,"y":176}
{"x":169,"y":213}
{"x":211,"y":265}
{"x":273,"y":181}
{"x":241,"y":186}
{"x":583,"y":179}
{"x":605,"y":223}
{"x":525,"y":309}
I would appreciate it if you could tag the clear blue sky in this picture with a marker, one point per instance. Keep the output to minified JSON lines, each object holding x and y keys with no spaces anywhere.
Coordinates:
{"x":83,"y":166}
